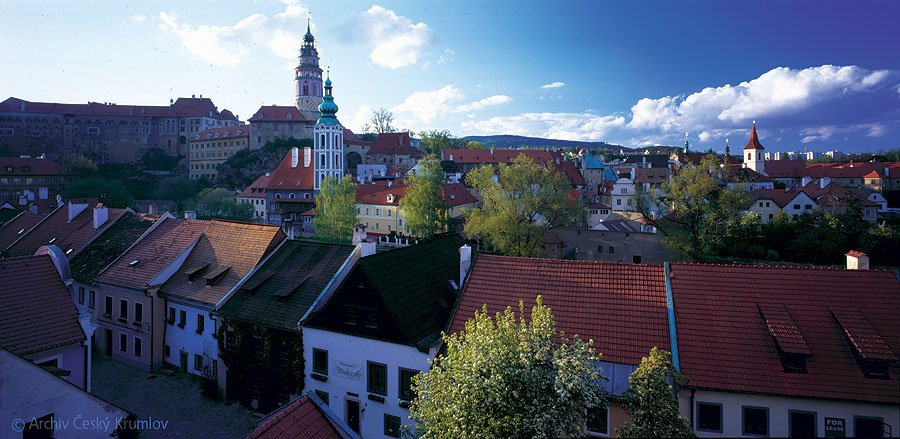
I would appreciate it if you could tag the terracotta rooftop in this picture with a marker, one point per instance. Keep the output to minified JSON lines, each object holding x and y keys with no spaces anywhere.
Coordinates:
{"x":352,"y":139}
{"x":36,"y":311}
{"x":17,"y":226}
{"x":753,"y":143}
{"x":457,"y":194}
{"x":394,"y":143}
{"x":287,"y":177}
{"x":57,"y":229}
{"x":622,"y":307}
{"x":110,"y":245}
{"x":377,"y":192}
{"x":725,"y":344}
{"x":31,"y":166}
{"x":232,"y":132}
{"x":474,"y":156}
{"x":283,"y":288}
{"x":257,"y":189}
{"x":278,"y":113}
{"x":306,"y":417}
{"x":225,"y":253}
{"x":182,"y":107}
{"x":153,"y":253}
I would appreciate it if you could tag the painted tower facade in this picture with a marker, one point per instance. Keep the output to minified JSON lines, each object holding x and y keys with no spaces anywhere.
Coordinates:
{"x":328,"y":140}
{"x":308,"y":78}
{"x":753,"y":153}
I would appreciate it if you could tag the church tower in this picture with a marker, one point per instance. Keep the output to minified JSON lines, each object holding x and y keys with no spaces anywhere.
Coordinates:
{"x":753,"y":153}
{"x":308,"y":78}
{"x":328,"y":140}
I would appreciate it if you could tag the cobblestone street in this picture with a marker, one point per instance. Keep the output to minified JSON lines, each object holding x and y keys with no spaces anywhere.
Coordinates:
{"x":173,"y":399}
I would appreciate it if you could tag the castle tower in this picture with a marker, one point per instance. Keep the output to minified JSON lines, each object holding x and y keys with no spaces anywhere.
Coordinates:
{"x":328,"y":140}
{"x":308,"y":78}
{"x":753,"y":153}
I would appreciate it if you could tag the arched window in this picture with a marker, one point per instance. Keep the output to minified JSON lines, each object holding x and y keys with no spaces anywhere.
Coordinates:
{"x":306,"y":195}
{"x":322,"y":143}
{"x":322,"y":161}
{"x":337,"y":160}
{"x":277,"y":195}
{"x":321,"y":178}
{"x":291,"y":196}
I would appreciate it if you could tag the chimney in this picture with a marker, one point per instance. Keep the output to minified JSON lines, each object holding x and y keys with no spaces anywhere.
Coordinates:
{"x":307,"y":156}
{"x":805,"y":181}
{"x":857,"y":260}
{"x":359,"y":233}
{"x":59,"y":200}
{"x":151,"y":209}
{"x":887,"y":171}
{"x":824,"y":182}
{"x":295,"y":156}
{"x":390,"y":183}
{"x":75,"y":209}
{"x":190,"y":214}
{"x":465,"y":262}
{"x":101,"y":215}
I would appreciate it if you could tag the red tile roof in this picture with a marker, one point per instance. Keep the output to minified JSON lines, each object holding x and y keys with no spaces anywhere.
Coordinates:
{"x":183,"y":107}
{"x":257,"y":189}
{"x":456,"y":194}
{"x":17,"y":227}
{"x":278,"y":113}
{"x":724,"y":343}
{"x":572,"y":172}
{"x":35,"y":166}
{"x":67,"y":235}
{"x":232,"y":132}
{"x":473,"y":156}
{"x":651,"y":175}
{"x":285,"y":177}
{"x":303,"y":418}
{"x":154,"y":253}
{"x":351,"y":139}
{"x":377,"y":192}
{"x":783,"y":328}
{"x":865,"y":339}
{"x":622,"y":307}
{"x":855,"y":253}
{"x":36,"y":311}
{"x":228,"y":248}
{"x":394,"y":143}
{"x":753,"y":143}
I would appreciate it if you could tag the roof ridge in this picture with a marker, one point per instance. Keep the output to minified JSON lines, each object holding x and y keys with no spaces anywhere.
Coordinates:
{"x":808,"y":267}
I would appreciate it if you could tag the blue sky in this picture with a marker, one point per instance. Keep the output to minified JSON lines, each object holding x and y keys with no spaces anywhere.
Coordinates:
{"x":817,"y":75}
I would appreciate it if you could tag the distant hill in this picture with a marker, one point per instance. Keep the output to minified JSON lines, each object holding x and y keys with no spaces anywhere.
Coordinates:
{"x":509,"y":141}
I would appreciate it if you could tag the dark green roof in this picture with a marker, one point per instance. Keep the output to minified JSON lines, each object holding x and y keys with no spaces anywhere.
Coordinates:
{"x":414,"y":283}
{"x":109,"y":245}
{"x":280,"y":292}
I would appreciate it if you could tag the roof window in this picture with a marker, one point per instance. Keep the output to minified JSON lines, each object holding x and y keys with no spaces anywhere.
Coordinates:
{"x":870,"y":350}
{"x":792,"y":348}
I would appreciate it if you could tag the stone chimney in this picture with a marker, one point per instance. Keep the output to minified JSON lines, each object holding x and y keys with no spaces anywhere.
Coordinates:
{"x":295,"y":157}
{"x":857,"y":260}
{"x":465,"y":262}
{"x":152,"y":209}
{"x":101,"y":215}
{"x":190,"y":214}
{"x":824,"y":182}
{"x":76,"y":208}
{"x":805,"y":181}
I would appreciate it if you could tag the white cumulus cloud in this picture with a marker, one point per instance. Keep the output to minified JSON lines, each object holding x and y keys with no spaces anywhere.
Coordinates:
{"x":424,"y":106}
{"x":396,"y":41}
{"x":563,"y":126}
{"x":482,"y":103}
{"x":229,"y":45}
{"x":553,"y":85}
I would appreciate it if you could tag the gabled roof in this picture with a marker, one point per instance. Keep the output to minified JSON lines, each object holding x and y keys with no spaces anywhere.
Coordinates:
{"x":651,"y":175}
{"x":278,"y":113}
{"x":70,"y":236}
{"x":377,"y":192}
{"x":457,"y":194}
{"x":183,"y":107}
{"x":36,"y":311}
{"x":284,"y":287}
{"x":230,"y":246}
{"x":415,"y":293}
{"x":223,"y":133}
{"x":306,"y":417}
{"x":572,"y":172}
{"x":31,"y":167}
{"x":394,"y":143}
{"x":593,"y":162}
{"x":494,"y":156}
{"x":257,"y":189}
{"x":153,"y":253}
{"x":110,"y":245}
{"x":724,"y":343}
{"x":17,"y":226}
{"x":286,"y":177}
{"x":352,"y":139}
{"x":622,"y":307}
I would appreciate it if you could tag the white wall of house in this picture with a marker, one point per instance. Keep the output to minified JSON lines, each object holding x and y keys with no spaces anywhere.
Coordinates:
{"x":766,"y":208}
{"x":185,"y":338}
{"x":799,"y":205}
{"x":348,"y":358}
{"x":779,"y":412}
{"x":622,"y":191}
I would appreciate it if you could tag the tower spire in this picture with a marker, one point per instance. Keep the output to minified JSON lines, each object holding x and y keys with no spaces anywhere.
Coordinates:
{"x":687,"y":145}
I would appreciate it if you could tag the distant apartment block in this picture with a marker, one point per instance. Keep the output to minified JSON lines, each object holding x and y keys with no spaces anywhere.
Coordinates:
{"x":213,"y":147}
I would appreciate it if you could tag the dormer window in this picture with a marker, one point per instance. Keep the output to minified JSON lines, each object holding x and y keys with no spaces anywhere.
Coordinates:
{"x":871,"y":352}
{"x":390,"y":198}
{"x":792,"y":348}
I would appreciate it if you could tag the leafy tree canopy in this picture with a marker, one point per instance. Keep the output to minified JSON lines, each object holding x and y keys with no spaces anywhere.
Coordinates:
{"x":218,"y":203}
{"x":111,"y":193}
{"x":510,"y":376}
{"x":336,"y":210}
{"x":424,"y":205}
{"x":651,"y":401}
{"x":179,"y":190}
{"x":435,"y":141}
{"x":518,"y":208}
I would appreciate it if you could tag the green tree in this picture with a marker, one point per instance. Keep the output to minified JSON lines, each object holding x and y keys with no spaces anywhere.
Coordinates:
{"x":178,"y":190}
{"x":435,"y":141}
{"x":518,"y":209}
{"x":157,"y":159}
{"x":474,"y":144}
{"x":702,"y":216}
{"x":651,"y":401}
{"x":508,"y":377}
{"x":424,"y":205}
{"x":218,"y":203}
{"x":81,"y":165}
{"x":336,"y":210}
{"x":111,"y":193}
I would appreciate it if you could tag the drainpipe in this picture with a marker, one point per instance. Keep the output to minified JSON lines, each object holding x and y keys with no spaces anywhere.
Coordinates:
{"x":670,"y":303}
